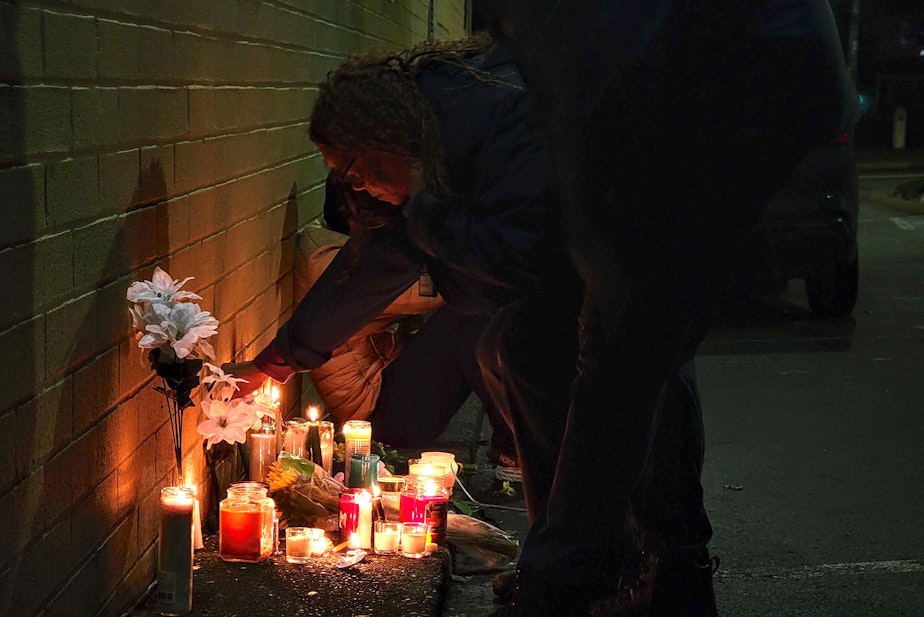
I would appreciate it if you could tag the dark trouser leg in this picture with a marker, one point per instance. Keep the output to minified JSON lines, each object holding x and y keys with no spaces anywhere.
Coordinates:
{"x":430,"y":380}
{"x":669,"y":502}
{"x":528,"y":358}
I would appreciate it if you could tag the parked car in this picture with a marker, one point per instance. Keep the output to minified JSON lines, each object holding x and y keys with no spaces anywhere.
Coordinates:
{"x":810,"y":231}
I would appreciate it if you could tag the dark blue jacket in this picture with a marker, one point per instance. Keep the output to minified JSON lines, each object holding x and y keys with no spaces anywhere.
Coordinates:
{"x":492,"y":241}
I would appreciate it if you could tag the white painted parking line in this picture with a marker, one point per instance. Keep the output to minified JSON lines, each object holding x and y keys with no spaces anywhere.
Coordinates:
{"x":903,"y":566}
{"x":908,"y":223}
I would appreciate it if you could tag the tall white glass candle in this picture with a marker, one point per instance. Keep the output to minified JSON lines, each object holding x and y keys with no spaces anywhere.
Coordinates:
{"x":326,"y":430}
{"x":262,"y":451}
{"x":175,"y":551}
{"x":364,"y":529}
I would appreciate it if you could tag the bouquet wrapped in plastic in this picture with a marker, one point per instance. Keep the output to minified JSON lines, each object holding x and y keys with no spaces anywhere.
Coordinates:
{"x":305,"y":494}
{"x":488,"y":548}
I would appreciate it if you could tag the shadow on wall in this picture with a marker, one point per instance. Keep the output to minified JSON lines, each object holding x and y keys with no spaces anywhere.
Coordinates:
{"x":21,"y":207}
{"x":116,"y":500}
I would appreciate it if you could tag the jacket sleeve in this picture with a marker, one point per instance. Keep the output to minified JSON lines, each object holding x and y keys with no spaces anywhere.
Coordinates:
{"x":344,"y":299}
{"x":497,"y":230}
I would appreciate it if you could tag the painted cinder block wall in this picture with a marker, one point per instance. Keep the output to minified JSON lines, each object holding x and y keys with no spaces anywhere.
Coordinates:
{"x":136,"y":133}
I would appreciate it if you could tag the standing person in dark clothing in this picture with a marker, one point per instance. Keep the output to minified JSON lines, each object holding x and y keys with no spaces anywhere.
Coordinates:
{"x":448,"y":186}
{"x":670,"y":125}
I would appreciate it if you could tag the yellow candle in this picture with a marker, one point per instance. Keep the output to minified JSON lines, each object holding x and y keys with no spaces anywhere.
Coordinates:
{"x":357,"y":439}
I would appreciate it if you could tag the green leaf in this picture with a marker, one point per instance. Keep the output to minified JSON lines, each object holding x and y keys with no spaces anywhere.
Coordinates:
{"x":463,"y":507}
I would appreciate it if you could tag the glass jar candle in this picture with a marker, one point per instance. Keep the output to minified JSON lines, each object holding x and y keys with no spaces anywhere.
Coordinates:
{"x":304,"y":542}
{"x":262,"y":444}
{"x":425,"y":499}
{"x":387,"y":537}
{"x":326,"y":433}
{"x":364,"y":471}
{"x":296,"y":437}
{"x":246,"y":523}
{"x":414,"y":540}
{"x":448,"y":461}
{"x":175,"y":551}
{"x":357,"y":439}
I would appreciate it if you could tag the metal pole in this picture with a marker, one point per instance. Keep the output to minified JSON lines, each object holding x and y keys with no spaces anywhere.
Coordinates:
{"x":852,"y":39}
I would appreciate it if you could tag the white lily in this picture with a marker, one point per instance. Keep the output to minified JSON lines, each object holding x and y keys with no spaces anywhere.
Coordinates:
{"x":182,"y":327}
{"x":225,"y":421}
{"x":161,"y":288}
{"x":224,"y":384}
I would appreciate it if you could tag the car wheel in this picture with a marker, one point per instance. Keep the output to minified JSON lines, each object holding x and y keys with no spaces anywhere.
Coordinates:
{"x":835,"y":293}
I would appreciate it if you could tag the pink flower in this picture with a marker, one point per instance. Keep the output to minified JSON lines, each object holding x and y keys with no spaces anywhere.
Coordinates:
{"x":225,"y":421}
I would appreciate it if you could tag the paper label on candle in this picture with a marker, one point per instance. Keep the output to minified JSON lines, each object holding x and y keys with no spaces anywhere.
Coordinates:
{"x":166,"y":587}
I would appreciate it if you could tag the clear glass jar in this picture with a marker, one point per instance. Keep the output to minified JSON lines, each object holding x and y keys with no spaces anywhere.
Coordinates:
{"x":424,"y":499}
{"x":262,"y":444}
{"x":296,"y":437}
{"x":247,"y":523}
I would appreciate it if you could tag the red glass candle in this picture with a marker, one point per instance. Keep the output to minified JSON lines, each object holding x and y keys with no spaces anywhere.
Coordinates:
{"x":426,"y":500}
{"x":245,"y":524}
{"x":241,"y":529}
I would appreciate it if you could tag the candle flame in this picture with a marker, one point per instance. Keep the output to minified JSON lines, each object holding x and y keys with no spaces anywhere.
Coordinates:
{"x":313,"y":413}
{"x":275,"y":394}
{"x":376,"y":491}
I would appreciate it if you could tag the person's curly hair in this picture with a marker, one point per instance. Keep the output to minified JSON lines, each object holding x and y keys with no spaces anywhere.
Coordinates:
{"x":371,"y":102}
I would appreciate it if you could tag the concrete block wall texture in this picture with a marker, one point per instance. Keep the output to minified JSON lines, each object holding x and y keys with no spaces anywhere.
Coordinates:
{"x":135,"y":134}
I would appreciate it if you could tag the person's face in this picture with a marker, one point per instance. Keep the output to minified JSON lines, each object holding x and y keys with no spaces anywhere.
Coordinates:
{"x":383,"y":175}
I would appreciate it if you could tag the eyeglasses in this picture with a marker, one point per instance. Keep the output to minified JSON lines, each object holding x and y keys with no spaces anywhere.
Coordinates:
{"x":344,"y":175}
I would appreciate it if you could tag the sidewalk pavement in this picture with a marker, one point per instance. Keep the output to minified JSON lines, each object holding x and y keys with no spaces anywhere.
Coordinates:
{"x":379,"y":586}
{"x":881,"y":160}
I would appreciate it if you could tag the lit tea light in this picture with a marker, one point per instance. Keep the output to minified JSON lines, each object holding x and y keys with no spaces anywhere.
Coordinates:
{"x":414,"y":540}
{"x":298,"y":544}
{"x":387,"y":537}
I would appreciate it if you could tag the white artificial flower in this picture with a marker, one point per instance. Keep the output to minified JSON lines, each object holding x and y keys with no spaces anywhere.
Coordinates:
{"x":225,"y":421}
{"x":181,"y":326}
{"x":161,"y":288}
{"x":224,"y":384}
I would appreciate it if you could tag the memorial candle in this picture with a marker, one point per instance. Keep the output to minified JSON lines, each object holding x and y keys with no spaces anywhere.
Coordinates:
{"x":262,"y":451}
{"x":357,"y":438}
{"x":426,"y":500}
{"x":314,"y":436}
{"x":414,"y":540}
{"x":364,"y":525}
{"x":326,"y":432}
{"x":296,"y":437}
{"x":175,"y":551}
{"x":447,"y":460}
{"x":387,"y":537}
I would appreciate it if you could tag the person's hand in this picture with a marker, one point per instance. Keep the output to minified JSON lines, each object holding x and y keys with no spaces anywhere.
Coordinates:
{"x":245,"y":370}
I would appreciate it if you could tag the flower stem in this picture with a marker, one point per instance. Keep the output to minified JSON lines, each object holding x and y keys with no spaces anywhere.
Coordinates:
{"x":176,"y":428}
